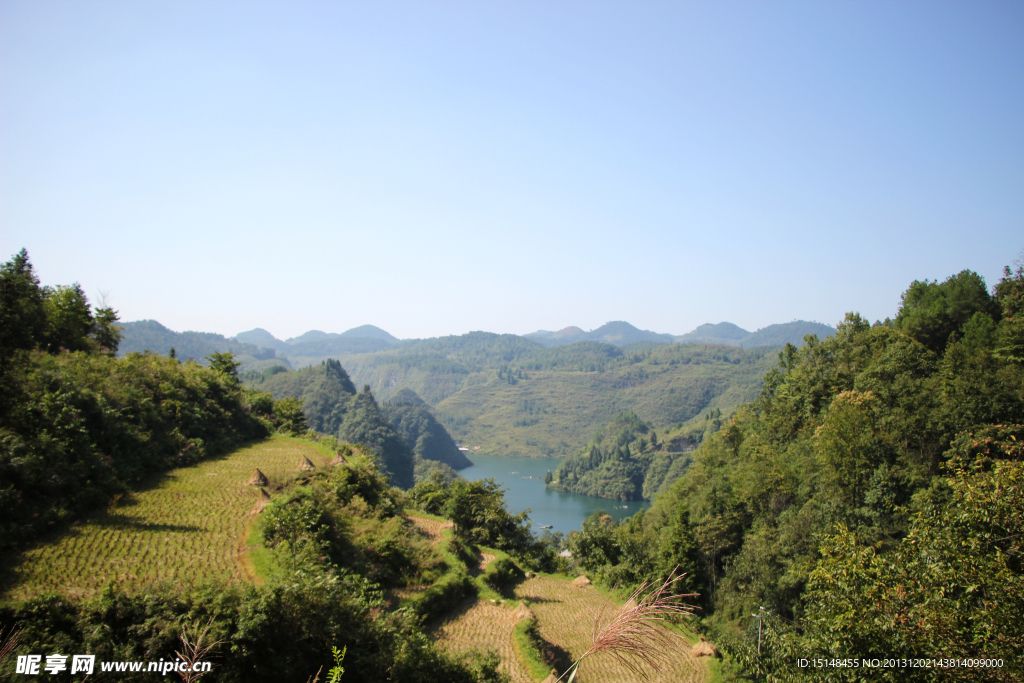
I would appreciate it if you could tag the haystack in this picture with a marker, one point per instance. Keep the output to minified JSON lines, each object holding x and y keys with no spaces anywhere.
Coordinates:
{"x":306,"y":465}
{"x":704,"y":649}
{"x":257,"y":478}
{"x":581,"y":581}
{"x":339,"y":459}
{"x":523,"y":612}
{"x":262,"y":500}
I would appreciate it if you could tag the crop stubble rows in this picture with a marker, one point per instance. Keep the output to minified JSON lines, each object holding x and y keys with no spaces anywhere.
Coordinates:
{"x":565,"y":617}
{"x":483,"y":626}
{"x":188,"y":528}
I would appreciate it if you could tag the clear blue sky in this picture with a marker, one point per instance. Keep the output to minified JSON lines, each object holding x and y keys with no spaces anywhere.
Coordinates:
{"x":439,"y":167}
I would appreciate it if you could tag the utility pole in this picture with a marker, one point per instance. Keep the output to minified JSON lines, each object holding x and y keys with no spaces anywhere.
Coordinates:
{"x":760,"y":622}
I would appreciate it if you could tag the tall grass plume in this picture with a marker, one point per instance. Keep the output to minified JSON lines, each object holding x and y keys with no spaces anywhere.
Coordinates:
{"x":636,"y":635}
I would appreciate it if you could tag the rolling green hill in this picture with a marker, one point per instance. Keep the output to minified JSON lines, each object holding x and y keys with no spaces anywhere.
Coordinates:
{"x":788,"y":333}
{"x":773,"y":335}
{"x":628,"y":460}
{"x":721,"y":333}
{"x":510,"y":396}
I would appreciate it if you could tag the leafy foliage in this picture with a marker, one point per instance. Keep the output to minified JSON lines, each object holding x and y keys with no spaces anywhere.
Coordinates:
{"x":477,"y":508}
{"x":870,"y":495}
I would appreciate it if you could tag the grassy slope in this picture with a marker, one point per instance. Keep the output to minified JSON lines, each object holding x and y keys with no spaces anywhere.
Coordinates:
{"x":191,"y":526}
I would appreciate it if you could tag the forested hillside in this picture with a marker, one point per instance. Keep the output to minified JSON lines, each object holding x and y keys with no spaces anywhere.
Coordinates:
{"x":567,"y":393}
{"x":332,"y":406}
{"x":511,"y":396}
{"x":149,"y":335}
{"x":625,"y":461}
{"x":617,"y":332}
{"x":773,"y":335}
{"x":427,"y":438}
{"x":870,"y":499}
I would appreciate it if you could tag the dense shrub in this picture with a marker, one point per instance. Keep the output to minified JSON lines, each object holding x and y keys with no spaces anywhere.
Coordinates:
{"x":87,"y":427}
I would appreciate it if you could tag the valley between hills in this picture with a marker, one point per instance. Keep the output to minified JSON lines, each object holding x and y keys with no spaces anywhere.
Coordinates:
{"x":541,"y":394}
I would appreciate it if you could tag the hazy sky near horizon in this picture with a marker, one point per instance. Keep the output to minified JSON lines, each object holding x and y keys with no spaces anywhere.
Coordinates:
{"x":439,"y":167}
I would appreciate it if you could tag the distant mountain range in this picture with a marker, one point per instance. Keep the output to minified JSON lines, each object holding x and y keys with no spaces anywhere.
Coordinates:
{"x":618,"y":332}
{"x":258,"y":349}
{"x":773,"y":335}
{"x":622,"y":333}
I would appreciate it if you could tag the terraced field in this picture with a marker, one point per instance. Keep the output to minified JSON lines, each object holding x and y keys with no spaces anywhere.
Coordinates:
{"x":190,"y":527}
{"x":565,"y":617}
{"x":483,"y":626}
{"x":431,"y":528}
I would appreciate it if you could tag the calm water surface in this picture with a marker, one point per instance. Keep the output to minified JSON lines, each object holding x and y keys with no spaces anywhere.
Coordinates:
{"x":524,"y":479}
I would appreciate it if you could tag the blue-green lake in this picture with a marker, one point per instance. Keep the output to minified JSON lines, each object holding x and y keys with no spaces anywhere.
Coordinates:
{"x":524,"y":479}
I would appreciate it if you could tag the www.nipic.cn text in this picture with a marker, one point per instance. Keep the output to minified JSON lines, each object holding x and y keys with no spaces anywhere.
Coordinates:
{"x":34,"y":665}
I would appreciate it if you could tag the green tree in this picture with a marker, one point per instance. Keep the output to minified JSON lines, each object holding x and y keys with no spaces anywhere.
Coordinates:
{"x":22,"y":317}
{"x":595,"y":545}
{"x":478,"y":510}
{"x":224,"y":364}
{"x":289,"y":416}
{"x":1009,"y":293}
{"x":850,"y":446}
{"x":954,"y":585}
{"x":69,"y":319}
{"x":931,"y":312}
{"x":679,"y":548}
{"x":105,"y":330}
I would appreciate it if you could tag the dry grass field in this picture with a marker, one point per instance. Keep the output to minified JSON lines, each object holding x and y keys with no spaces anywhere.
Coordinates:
{"x":189,"y":527}
{"x":565,"y":617}
{"x":483,"y":626}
